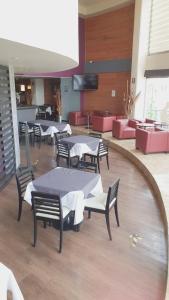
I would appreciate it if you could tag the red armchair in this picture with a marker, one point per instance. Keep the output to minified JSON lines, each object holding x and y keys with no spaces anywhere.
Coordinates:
{"x":103,"y":124}
{"x":124,"y":129}
{"x":152,"y":141}
{"x":77,"y":118}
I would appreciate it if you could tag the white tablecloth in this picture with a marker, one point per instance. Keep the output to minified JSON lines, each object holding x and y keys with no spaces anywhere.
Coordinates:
{"x":73,"y":200}
{"x":83,"y":145}
{"x":52,"y":129}
{"x":8,"y":282}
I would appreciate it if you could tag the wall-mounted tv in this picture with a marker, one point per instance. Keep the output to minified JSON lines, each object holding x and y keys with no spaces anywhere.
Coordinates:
{"x":85,"y":82}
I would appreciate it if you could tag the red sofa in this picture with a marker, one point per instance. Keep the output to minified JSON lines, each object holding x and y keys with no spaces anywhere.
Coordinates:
{"x":152,"y":141}
{"x":124,"y":129}
{"x":77,"y":118}
{"x":103,"y":123}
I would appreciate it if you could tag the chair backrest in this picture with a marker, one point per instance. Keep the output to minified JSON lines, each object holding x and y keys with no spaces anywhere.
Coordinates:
{"x":60,"y":135}
{"x":36,"y":130}
{"x":102,"y":149}
{"x":112,"y":195}
{"x":47,"y":206}
{"x":63,"y":149}
{"x":22,"y":127}
{"x":23,"y":177}
{"x":85,"y":165}
{"x":96,"y":135}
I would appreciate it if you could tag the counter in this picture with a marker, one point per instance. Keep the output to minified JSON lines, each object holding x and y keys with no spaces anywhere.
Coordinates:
{"x":26,"y":113}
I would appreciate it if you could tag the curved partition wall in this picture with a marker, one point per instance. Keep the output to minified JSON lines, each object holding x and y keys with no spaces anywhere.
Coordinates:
{"x":39,"y":36}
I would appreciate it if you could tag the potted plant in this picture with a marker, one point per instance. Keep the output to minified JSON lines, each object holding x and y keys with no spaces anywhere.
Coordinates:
{"x":129,"y":99}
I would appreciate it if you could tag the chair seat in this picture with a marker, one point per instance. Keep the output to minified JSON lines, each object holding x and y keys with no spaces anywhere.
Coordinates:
{"x":65,"y":211}
{"x":30,"y":130}
{"x":43,"y":133}
{"x":127,"y":128}
{"x":98,"y":202}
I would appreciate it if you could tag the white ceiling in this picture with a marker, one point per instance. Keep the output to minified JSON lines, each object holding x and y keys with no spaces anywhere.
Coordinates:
{"x":27,"y":59}
{"x":93,"y":7}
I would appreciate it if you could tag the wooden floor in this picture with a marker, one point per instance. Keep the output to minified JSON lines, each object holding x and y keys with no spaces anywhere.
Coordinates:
{"x":90,"y":266}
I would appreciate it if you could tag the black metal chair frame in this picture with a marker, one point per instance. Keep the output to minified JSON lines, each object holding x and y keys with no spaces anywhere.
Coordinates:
{"x":85,"y":165}
{"x":23,"y":127}
{"x":102,"y":151}
{"x":60,"y":135}
{"x":63,"y":151}
{"x":37,"y":135}
{"x":112,"y":194}
{"x":51,"y":208}
{"x":23,"y":177}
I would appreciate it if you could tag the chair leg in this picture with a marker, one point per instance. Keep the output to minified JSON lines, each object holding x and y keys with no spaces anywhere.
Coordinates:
{"x":107,"y":158}
{"x":108,"y":225}
{"x":98,"y":163}
{"x":116,"y":213}
{"x":35,"y":232}
{"x":61,"y":238}
{"x":57,"y":160}
{"x":89,"y":214}
{"x":40,"y":140}
{"x":20,"y":210}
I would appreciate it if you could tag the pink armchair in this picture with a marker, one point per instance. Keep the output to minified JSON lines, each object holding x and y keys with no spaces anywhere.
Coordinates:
{"x":77,"y":118}
{"x":124,"y":129}
{"x":103,"y":124}
{"x":152,"y":141}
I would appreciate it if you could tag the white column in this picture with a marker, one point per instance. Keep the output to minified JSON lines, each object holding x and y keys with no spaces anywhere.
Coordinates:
{"x":38,"y":91}
{"x":14,"y":115}
{"x":139,"y":54}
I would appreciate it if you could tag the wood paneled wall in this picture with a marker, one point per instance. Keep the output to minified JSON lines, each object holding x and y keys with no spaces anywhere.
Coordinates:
{"x":101,"y":99}
{"x":109,"y":37}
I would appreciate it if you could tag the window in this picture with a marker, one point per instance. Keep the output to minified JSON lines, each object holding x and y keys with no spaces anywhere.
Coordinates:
{"x":159,"y":27}
{"x":7,"y":153}
{"x":157,"y":95}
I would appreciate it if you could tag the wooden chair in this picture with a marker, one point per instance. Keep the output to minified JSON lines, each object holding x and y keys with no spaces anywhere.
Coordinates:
{"x":103,"y":203}
{"x":96,"y":135}
{"x":48,"y":208}
{"x":85,"y":166}
{"x":23,"y":177}
{"x":38,"y":134}
{"x":63,"y":151}
{"x":102,"y":151}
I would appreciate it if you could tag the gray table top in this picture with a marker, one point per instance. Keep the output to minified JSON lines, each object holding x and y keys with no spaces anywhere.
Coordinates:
{"x":63,"y":180}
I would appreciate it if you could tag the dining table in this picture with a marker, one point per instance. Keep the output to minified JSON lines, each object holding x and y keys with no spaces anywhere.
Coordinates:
{"x":73,"y":187}
{"x":80,"y":144}
{"x":51,"y":127}
{"x":9,"y":283}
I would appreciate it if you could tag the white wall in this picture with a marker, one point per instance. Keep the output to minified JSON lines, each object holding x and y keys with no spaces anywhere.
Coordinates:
{"x":38,"y":91}
{"x":139,"y":54}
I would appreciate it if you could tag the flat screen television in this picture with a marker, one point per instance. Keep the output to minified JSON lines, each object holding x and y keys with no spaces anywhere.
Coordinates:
{"x":85,"y":82}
